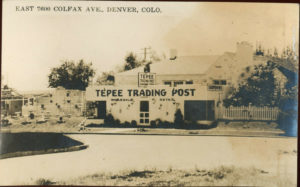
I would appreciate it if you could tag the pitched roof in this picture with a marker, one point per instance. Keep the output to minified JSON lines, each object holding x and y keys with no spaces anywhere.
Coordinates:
{"x":9,"y":93}
{"x":181,"y":65}
{"x":36,"y":92}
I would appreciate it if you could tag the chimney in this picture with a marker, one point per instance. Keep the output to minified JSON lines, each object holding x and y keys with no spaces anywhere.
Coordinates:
{"x":173,"y":54}
{"x":244,"y":52}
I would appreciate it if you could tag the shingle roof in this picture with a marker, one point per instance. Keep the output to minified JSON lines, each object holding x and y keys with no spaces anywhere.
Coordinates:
{"x":181,"y":65}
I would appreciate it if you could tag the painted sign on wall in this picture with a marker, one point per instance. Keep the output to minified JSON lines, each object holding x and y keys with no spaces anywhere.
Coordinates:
{"x":191,"y":92}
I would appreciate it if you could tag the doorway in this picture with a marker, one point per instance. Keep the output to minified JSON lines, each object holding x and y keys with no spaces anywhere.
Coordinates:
{"x":101,"y":109}
{"x":199,"y":110}
{"x":144,"y":113}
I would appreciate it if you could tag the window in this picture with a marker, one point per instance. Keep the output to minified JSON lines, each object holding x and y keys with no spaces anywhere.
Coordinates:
{"x":31,"y":100}
{"x":168,"y":83}
{"x":42,"y":106}
{"x":223,"y":82}
{"x":216,"y":82}
{"x":68,"y":101}
{"x":51,"y":101}
{"x":68,"y":94}
{"x":214,"y":88}
{"x":188,"y":82}
{"x":177,"y":83}
{"x":219,"y":82}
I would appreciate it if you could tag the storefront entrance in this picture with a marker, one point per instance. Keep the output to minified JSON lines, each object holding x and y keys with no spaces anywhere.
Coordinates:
{"x":101,"y":109}
{"x":199,"y":110}
{"x":144,"y":112}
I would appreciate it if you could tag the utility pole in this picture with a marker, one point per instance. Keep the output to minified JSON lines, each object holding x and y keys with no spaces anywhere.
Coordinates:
{"x":145,"y":52}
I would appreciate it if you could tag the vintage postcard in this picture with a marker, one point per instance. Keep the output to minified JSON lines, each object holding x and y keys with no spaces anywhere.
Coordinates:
{"x":115,"y":93}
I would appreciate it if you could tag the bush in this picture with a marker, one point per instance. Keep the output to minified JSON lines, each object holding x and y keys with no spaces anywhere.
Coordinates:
{"x":178,"y":121}
{"x":133,"y":123}
{"x":117,"y":122}
{"x":31,"y":116}
{"x":126,"y":124}
{"x":43,"y":182}
{"x":166,"y":124}
{"x":5,"y":122}
{"x":152,"y":123}
{"x":109,"y":119}
{"x":158,"y":122}
{"x":189,"y":124}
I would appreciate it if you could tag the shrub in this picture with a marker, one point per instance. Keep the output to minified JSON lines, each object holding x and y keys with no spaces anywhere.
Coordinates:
{"x":178,"y":121}
{"x":133,"y":123}
{"x":126,"y":124}
{"x":167,"y":124}
{"x":189,"y":124}
{"x":109,"y":119}
{"x":158,"y":122}
{"x":117,"y":122}
{"x":152,"y":123}
{"x":5,"y":122}
{"x":31,"y":116}
{"x":43,"y":182}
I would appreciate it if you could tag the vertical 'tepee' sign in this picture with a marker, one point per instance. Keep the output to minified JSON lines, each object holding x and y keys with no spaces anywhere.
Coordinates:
{"x":145,"y":79}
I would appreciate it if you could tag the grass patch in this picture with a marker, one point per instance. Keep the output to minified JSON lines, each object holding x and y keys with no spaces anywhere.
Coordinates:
{"x":221,"y":176}
{"x":51,"y":125}
{"x":43,"y":182}
{"x":23,"y":144}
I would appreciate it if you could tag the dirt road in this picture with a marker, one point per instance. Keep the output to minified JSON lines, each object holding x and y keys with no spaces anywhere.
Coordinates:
{"x":113,"y":153}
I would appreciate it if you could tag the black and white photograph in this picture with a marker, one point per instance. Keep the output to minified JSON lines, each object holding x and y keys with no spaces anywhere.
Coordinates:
{"x":149,"y":93}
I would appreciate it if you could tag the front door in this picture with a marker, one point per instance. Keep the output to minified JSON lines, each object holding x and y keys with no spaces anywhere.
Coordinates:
{"x":144,"y":112}
{"x":101,"y":109}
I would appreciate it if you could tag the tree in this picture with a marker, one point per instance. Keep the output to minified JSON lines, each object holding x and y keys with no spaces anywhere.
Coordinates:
{"x":106,"y":78}
{"x":147,"y":67}
{"x":71,"y":75}
{"x":259,"y":88}
{"x":178,"y":119}
{"x":155,"y":57}
{"x":131,"y":62}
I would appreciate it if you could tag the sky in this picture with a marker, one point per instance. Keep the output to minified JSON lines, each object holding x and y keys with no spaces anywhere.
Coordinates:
{"x":34,"y":42}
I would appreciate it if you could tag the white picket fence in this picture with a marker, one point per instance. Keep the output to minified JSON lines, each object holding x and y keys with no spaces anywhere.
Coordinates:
{"x":247,"y":113}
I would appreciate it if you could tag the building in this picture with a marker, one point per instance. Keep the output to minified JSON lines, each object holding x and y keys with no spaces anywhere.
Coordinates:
{"x":11,"y":101}
{"x":194,"y":84}
{"x":59,"y":101}
{"x":144,"y":104}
